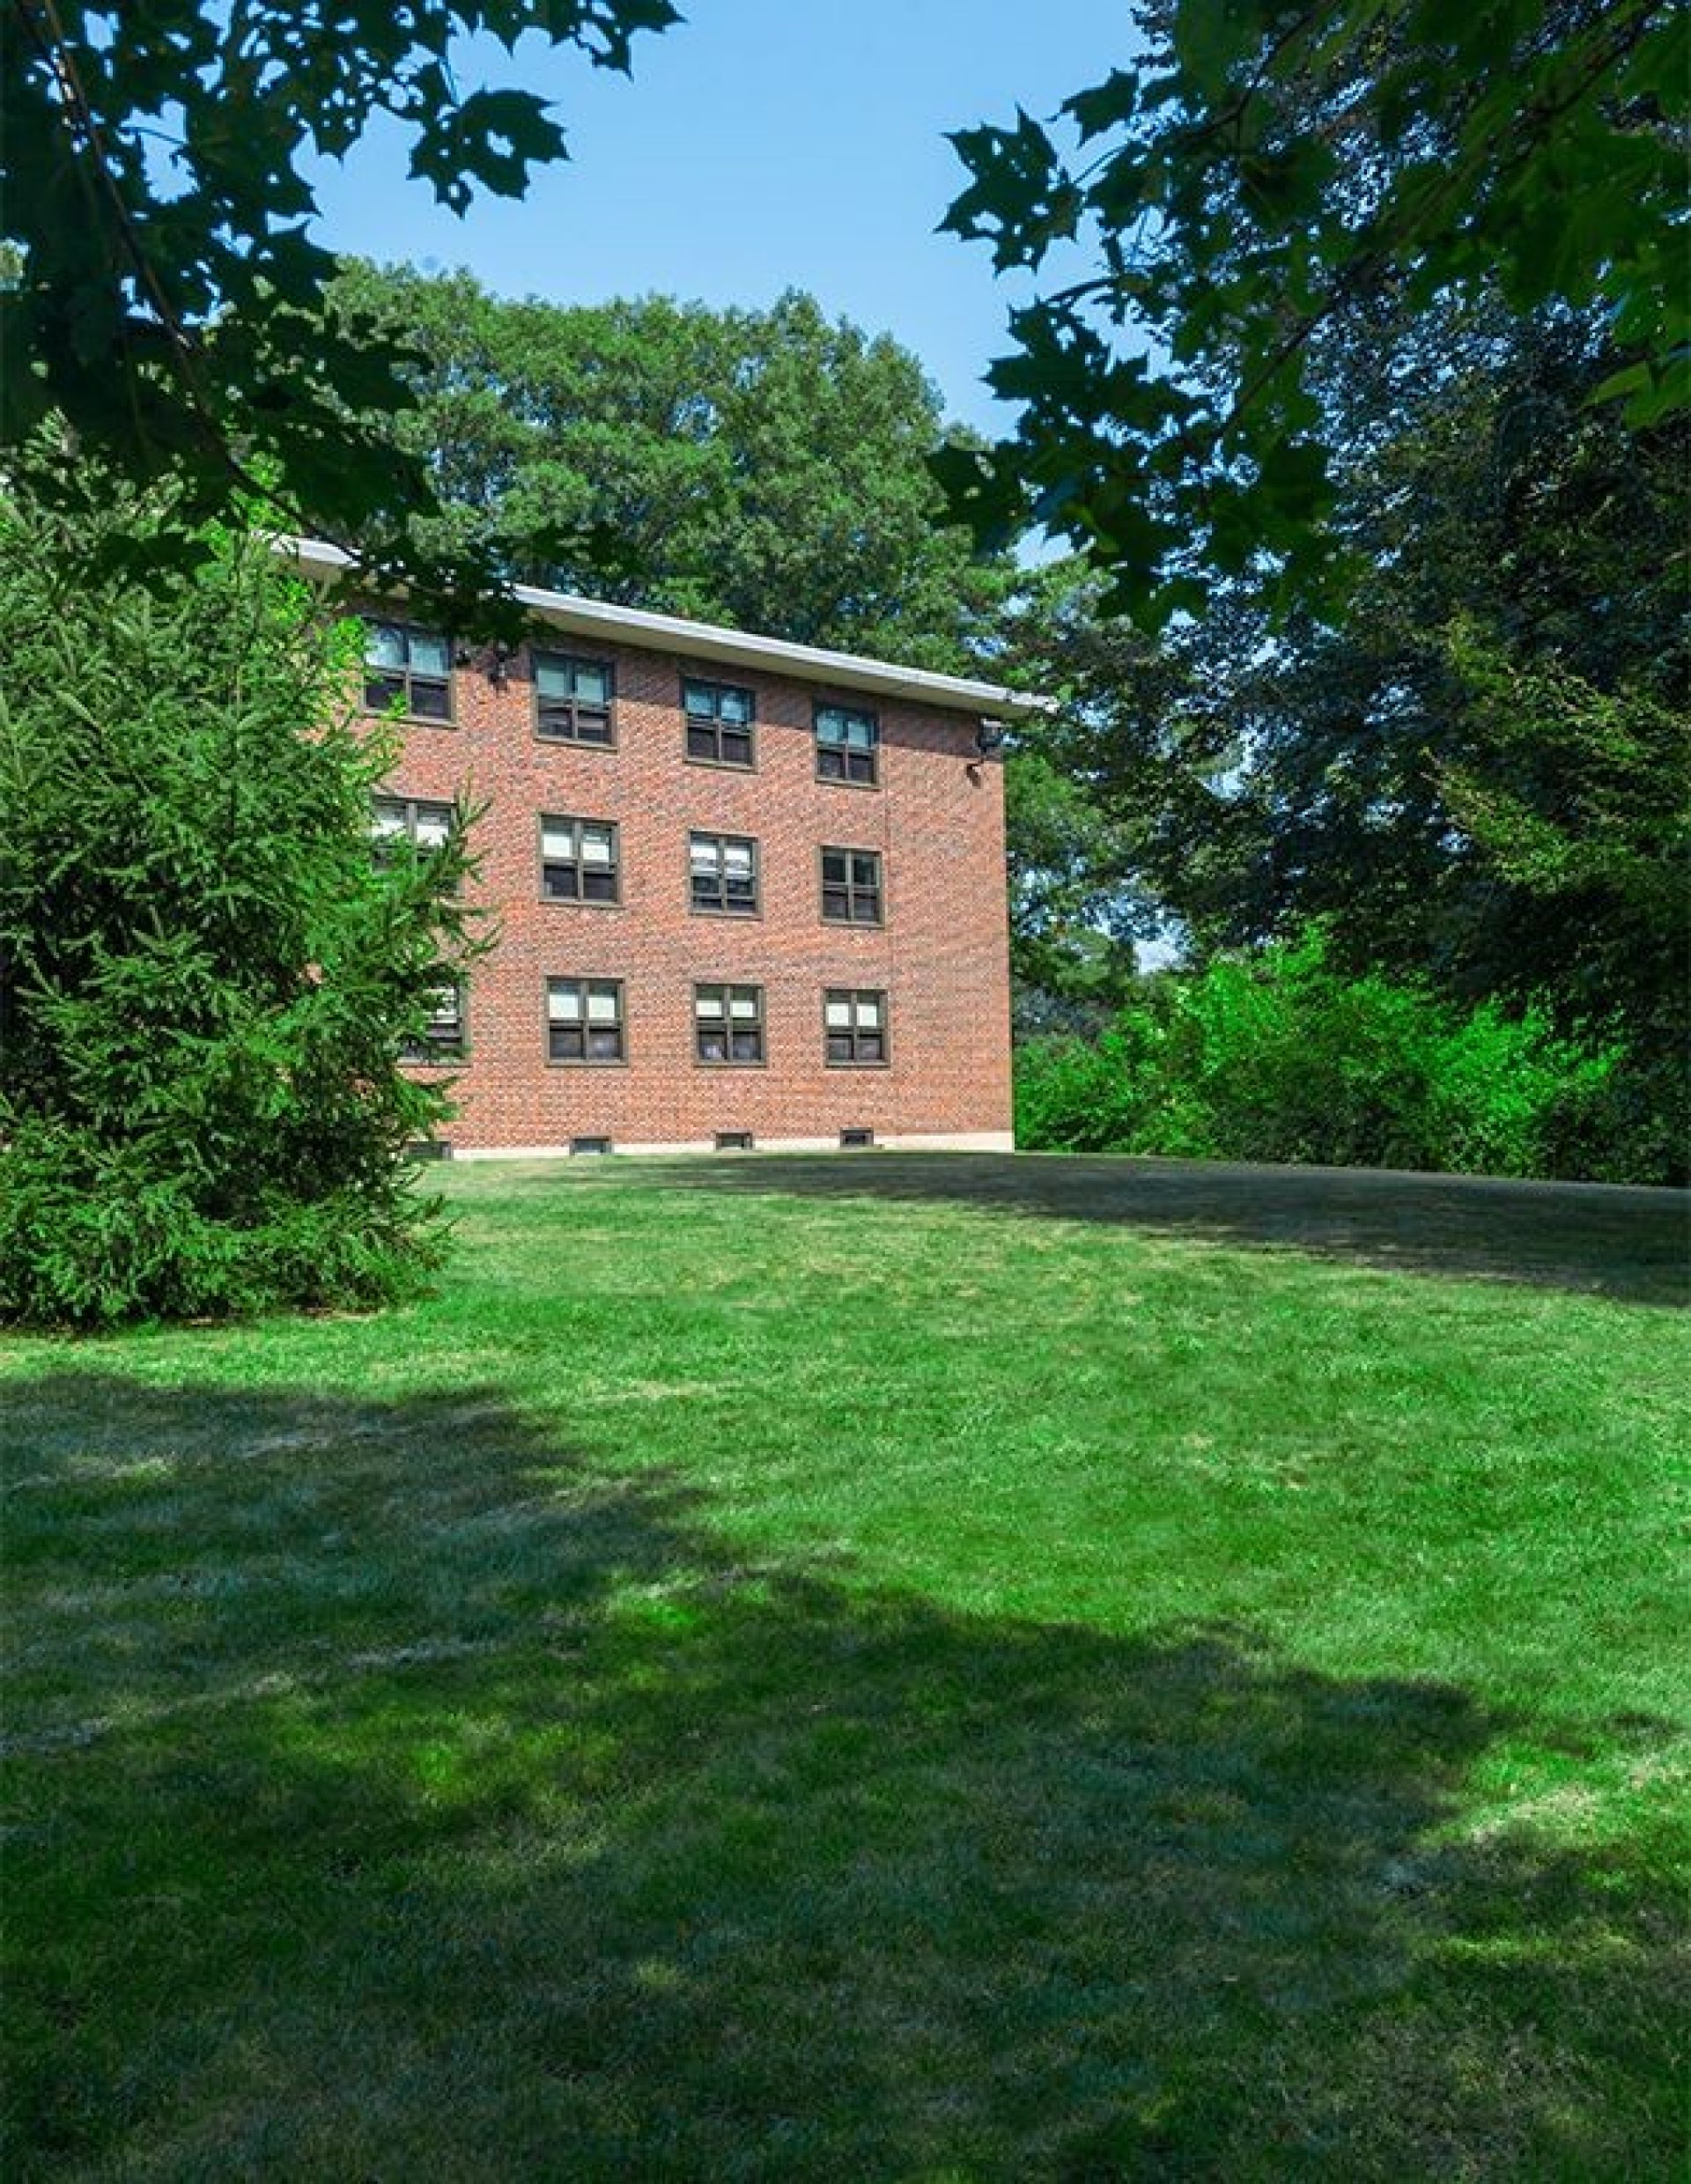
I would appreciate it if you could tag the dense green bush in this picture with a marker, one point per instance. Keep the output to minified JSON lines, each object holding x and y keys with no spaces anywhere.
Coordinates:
{"x":1283,"y":1058}
{"x":205,"y":975}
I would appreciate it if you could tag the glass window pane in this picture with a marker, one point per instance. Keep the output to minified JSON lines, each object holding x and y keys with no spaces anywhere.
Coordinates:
{"x":830,"y":728}
{"x":430,"y":701}
{"x":552,"y":676}
{"x":839,"y":1011}
{"x":701,"y":742}
{"x":747,"y":1046}
{"x":735,"y":706}
{"x":703,"y":853}
{"x":433,"y":825}
{"x":605,"y":1046}
{"x":387,"y":818}
{"x":736,"y":857}
{"x":745,"y":1003}
{"x":429,"y":654}
{"x":864,"y":869}
{"x":602,"y":1004}
{"x":833,"y":866}
{"x":871,"y":1047}
{"x":557,"y":839}
{"x":592,"y":683}
{"x":860,"y":732}
{"x":384,"y":645}
{"x":564,"y":1003}
{"x":869,"y":1011}
{"x":595,"y":845}
{"x":840,"y":1047}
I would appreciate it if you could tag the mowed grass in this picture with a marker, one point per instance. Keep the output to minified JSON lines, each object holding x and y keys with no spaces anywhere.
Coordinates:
{"x":897,"y":1667}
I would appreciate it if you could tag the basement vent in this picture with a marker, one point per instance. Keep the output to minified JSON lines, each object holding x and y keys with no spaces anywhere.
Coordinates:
{"x":851,"y":1138}
{"x":590,"y":1145}
{"x":734,"y":1141}
{"x":429,"y":1149}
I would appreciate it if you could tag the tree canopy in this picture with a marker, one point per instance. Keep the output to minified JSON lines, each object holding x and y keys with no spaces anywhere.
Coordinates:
{"x":1480,"y":775}
{"x":168,"y":302}
{"x":1271,"y":179}
{"x":762,"y":468}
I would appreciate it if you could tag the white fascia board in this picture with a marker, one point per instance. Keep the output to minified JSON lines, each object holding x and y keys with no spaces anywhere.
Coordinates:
{"x":733,"y":649}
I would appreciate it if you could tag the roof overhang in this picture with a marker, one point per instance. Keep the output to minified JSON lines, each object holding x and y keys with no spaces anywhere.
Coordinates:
{"x":728,"y":648}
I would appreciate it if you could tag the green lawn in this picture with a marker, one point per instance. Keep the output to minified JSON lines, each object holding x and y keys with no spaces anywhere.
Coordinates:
{"x":899,"y":1667}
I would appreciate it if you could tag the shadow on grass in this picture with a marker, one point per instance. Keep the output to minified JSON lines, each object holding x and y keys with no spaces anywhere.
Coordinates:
{"x":1616,"y":1240}
{"x":399,"y":1795}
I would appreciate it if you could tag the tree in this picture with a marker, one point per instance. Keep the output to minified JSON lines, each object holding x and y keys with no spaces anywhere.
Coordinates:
{"x":762,"y":468}
{"x":170,"y":306}
{"x":206,"y":976}
{"x":1273,"y":179}
{"x":1478,"y":778}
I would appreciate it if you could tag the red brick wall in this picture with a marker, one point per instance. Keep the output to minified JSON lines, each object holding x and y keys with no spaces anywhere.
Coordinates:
{"x":936,"y":816}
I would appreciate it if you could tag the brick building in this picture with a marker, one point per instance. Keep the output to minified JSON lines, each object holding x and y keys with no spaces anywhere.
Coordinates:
{"x":746,"y":891}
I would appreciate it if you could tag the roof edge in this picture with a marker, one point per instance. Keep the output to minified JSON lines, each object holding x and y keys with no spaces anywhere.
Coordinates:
{"x":739,"y":648}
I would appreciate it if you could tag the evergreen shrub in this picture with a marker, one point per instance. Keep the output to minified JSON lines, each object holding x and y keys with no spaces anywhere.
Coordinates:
{"x":206,"y":974}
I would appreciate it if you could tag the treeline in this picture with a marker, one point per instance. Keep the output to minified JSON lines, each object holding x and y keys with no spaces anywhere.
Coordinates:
{"x":1282,"y":1056}
{"x":1475,"y":782}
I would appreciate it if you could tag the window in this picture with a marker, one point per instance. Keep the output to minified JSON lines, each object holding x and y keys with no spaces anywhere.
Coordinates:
{"x":590,"y":1145}
{"x":425,"y":826}
{"x":579,"y":861}
{"x":719,"y":722}
{"x":442,"y":1037}
{"x":723,"y":871}
{"x":584,"y":1020}
{"x":854,"y":1026}
{"x":728,"y":1024}
{"x":846,"y":744}
{"x":851,"y":887}
{"x":572,"y":699}
{"x":734,"y":1141}
{"x":410,"y":668}
{"x":855,"y":1140}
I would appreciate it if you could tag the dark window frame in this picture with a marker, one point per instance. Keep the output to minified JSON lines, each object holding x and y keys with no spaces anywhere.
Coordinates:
{"x":411,"y":807}
{"x":758,"y":1025}
{"x":548,"y":713}
{"x":710,"y":724}
{"x":406,"y":679}
{"x":431,"y":1050}
{"x":855,"y":1033}
{"x":580,"y":899}
{"x":550,"y":1025}
{"x":724,"y":907}
{"x":853,"y":890}
{"x":842,"y":764}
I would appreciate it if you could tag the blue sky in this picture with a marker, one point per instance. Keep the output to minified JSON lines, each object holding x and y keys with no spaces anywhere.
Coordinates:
{"x":762,"y":144}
